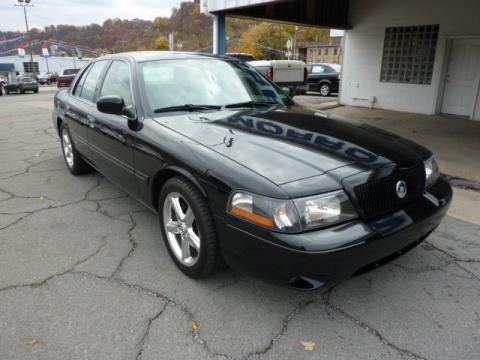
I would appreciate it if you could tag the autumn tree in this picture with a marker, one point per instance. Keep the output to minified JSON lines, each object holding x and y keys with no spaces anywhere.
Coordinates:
{"x":269,"y":40}
{"x":161,"y":43}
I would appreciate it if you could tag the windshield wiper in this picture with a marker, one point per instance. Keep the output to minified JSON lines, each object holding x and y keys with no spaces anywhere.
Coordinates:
{"x":250,"y":104}
{"x":187,"y":107}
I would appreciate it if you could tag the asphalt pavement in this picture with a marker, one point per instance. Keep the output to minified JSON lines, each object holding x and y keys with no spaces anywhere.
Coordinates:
{"x":84,"y":274}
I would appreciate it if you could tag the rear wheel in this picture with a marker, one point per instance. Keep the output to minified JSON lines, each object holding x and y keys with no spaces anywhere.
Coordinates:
{"x":325,"y":89}
{"x":188,"y":229}
{"x":75,"y":164}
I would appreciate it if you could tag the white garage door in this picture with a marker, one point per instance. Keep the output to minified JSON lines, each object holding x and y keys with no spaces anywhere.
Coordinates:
{"x":463,"y":78}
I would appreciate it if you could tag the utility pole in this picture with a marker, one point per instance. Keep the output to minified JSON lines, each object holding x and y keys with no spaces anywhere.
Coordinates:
{"x":25,"y":4}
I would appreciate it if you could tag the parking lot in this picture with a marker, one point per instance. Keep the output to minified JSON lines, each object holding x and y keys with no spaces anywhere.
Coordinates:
{"x":84,"y":274}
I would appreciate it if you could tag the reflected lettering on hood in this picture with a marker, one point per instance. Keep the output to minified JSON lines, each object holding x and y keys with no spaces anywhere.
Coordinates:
{"x":343,"y":148}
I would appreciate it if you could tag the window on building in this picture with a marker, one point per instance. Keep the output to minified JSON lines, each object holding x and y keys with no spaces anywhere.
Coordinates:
{"x":326,"y":51}
{"x":29,"y":69}
{"x":319,"y":51}
{"x":409,"y":54}
{"x":335,"y":51}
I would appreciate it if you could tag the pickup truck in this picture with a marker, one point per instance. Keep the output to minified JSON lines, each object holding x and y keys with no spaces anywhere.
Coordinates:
{"x":66,"y":77}
{"x":285,"y":73}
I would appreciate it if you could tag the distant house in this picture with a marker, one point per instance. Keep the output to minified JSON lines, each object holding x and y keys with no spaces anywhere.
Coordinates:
{"x":325,"y":52}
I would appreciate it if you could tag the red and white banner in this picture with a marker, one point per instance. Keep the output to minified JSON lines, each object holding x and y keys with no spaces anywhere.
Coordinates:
{"x":21,"y":50}
{"x":45,"y":50}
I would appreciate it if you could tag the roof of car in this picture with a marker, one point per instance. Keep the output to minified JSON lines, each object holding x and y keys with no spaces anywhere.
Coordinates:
{"x":140,"y":56}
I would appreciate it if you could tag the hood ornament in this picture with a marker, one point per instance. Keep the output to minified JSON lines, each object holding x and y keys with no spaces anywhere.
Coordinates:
{"x":401,"y":189}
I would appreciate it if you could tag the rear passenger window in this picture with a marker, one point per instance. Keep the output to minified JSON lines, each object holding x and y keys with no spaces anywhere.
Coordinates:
{"x":79,"y":85}
{"x":318,"y":69}
{"x":90,"y":83}
{"x":117,"y":82}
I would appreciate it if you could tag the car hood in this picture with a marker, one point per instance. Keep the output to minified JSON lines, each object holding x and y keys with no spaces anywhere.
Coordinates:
{"x":287,"y":145}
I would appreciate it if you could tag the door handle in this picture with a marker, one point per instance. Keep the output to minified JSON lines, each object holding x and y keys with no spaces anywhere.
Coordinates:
{"x":91,"y":121}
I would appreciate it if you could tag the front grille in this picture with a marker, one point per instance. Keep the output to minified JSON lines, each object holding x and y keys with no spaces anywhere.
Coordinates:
{"x":379,"y":197}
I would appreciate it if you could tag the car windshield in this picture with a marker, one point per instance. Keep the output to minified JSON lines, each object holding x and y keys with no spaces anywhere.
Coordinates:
{"x":206,"y":82}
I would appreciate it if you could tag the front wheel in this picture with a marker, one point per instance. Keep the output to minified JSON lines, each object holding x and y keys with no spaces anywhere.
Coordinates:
{"x":75,"y":164}
{"x":188,"y":229}
{"x":325,"y":89}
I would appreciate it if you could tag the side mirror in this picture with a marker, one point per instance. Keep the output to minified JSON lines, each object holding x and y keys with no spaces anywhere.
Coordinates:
{"x":288,"y":91}
{"x":111,"y":104}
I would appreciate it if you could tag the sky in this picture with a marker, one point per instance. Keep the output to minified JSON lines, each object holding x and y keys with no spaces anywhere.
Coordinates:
{"x":80,"y":12}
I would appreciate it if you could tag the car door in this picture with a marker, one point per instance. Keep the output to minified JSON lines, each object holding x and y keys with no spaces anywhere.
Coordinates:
{"x":79,"y":110}
{"x":110,"y":139}
{"x":314,"y":76}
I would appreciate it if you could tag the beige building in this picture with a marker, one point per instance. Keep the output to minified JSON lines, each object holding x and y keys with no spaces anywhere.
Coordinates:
{"x":325,"y":52}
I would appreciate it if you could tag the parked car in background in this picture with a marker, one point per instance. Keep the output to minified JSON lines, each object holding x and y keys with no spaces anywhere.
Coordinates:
{"x":284,"y":73}
{"x":21,"y":84}
{"x":241,"y":56}
{"x":66,"y":77}
{"x":238,"y":172}
{"x":46,"y":78}
{"x":323,"y":78}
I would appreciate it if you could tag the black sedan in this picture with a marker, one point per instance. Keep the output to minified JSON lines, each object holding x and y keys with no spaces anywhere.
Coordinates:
{"x":323,"y":78}
{"x":239,"y":173}
{"x":21,"y":84}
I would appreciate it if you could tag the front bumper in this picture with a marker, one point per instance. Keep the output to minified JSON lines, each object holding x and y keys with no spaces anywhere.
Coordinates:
{"x":325,"y":257}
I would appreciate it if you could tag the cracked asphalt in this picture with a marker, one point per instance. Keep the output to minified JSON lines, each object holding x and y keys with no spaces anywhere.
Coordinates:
{"x":84,"y":274}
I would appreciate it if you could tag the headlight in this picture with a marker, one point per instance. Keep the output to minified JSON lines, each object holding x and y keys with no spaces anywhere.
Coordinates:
{"x":431,"y":171}
{"x":292,"y":216}
{"x":325,"y":209}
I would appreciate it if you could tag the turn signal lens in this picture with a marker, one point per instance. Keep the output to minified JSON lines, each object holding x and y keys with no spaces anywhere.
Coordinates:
{"x":269,"y":213}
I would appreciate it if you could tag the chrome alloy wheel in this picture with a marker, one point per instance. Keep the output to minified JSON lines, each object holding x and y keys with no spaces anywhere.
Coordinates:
{"x":324,"y":90}
{"x":67,"y":148}
{"x":181,"y":229}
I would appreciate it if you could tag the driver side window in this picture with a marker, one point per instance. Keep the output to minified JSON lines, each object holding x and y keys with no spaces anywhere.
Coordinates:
{"x":117,"y":82}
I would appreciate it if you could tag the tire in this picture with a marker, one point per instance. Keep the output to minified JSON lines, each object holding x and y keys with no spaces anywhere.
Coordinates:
{"x":21,"y":91}
{"x":73,"y":159}
{"x":324,"y":89}
{"x":35,"y":91}
{"x":196,"y":229}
